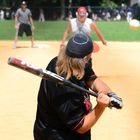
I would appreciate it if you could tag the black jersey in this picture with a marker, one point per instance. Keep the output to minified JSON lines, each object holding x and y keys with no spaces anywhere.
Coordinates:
{"x":61,"y":109}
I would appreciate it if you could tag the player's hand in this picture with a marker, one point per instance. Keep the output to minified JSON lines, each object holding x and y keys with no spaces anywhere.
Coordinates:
{"x":62,"y":45}
{"x":104,"y":42}
{"x":115,"y":100}
{"x":16,"y":27}
{"x":103,"y":100}
{"x":33,"y":27}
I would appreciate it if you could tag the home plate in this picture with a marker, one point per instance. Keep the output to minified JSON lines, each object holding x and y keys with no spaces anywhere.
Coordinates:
{"x":41,"y":46}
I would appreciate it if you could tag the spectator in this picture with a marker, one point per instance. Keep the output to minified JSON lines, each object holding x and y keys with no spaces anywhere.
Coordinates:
{"x":41,"y":15}
{"x":89,"y":10}
{"x":129,"y":16}
{"x":13,"y":14}
{"x":1,"y":14}
{"x":107,"y":16}
{"x":7,"y":14}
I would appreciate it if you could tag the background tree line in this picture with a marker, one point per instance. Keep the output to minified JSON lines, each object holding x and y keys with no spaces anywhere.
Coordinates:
{"x":48,"y":3}
{"x":61,"y":8}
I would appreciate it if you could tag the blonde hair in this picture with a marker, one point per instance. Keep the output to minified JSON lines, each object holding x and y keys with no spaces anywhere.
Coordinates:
{"x":69,"y":66}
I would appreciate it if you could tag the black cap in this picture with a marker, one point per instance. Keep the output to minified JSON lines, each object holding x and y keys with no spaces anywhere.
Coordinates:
{"x":79,"y":46}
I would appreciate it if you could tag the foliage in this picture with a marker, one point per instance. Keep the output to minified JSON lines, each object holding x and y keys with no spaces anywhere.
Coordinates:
{"x":4,"y":2}
{"x":33,"y":3}
{"x":9,"y":3}
{"x":108,"y":4}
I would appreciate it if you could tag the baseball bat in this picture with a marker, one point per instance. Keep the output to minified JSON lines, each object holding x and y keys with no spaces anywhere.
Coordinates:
{"x":45,"y":74}
{"x":48,"y":75}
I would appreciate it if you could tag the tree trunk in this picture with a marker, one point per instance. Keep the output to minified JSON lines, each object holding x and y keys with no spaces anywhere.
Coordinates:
{"x":62,"y":2}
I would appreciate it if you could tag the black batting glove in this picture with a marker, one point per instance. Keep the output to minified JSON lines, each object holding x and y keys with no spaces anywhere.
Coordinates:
{"x":115,"y":101}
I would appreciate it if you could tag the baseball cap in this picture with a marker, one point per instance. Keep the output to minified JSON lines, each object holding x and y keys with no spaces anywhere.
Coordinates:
{"x":82,"y":11}
{"x":79,"y":46}
{"x":23,"y":3}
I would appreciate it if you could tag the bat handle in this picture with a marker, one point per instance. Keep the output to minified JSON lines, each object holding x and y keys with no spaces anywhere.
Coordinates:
{"x":9,"y":60}
{"x":68,"y":83}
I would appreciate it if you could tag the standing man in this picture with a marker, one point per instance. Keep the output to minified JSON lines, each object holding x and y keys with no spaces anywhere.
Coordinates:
{"x":23,"y":23}
{"x":41,"y":15}
{"x":1,"y":14}
{"x":82,"y":24}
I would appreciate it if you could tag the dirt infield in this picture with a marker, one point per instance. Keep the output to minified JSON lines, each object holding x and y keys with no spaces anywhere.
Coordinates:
{"x":118,"y":64}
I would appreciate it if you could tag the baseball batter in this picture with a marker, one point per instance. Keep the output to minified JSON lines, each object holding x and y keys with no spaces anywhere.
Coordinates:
{"x":23,"y":23}
{"x":63,"y":113}
{"x":82,"y":24}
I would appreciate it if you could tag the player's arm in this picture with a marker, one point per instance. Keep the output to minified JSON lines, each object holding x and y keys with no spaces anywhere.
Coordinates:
{"x":32,"y":23}
{"x":99,"y":86}
{"x":16,"y":20}
{"x":102,"y":102}
{"x":31,"y":19}
{"x":66,"y":33}
{"x":98,"y":32}
{"x":91,"y":118}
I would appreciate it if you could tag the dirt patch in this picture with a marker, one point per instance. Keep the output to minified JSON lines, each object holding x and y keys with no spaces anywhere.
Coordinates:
{"x":118,"y":64}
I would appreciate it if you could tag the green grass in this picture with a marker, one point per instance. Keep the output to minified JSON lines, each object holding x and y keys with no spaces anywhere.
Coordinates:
{"x":118,"y":31}
{"x":53,"y":30}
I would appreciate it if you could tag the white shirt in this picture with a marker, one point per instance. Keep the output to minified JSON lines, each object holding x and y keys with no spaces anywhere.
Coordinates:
{"x":77,"y":27}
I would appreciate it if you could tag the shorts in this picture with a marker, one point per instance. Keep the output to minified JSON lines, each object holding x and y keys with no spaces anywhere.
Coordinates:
{"x":24,"y":28}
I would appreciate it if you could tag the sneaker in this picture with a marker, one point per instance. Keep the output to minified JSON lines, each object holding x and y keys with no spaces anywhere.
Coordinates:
{"x":14,"y":46}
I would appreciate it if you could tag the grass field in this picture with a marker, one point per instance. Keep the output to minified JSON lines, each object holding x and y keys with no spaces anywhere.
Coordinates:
{"x":53,"y":30}
{"x":117,"y":64}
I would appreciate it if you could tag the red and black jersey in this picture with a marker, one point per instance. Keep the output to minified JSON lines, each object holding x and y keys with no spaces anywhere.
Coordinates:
{"x":61,"y":109}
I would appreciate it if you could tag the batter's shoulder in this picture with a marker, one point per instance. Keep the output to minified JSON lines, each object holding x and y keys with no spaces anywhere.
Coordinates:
{"x":52,"y":64}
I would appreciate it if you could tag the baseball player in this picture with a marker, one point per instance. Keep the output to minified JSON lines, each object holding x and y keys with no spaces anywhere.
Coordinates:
{"x":63,"y":113}
{"x":23,"y":23}
{"x":82,"y":24}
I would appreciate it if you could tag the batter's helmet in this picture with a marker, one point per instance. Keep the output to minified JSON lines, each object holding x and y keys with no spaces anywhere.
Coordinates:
{"x":79,"y":46}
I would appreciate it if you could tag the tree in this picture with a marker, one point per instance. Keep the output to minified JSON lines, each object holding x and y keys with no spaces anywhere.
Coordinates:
{"x":5,"y":2}
{"x":108,"y":4}
{"x":62,"y":2}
